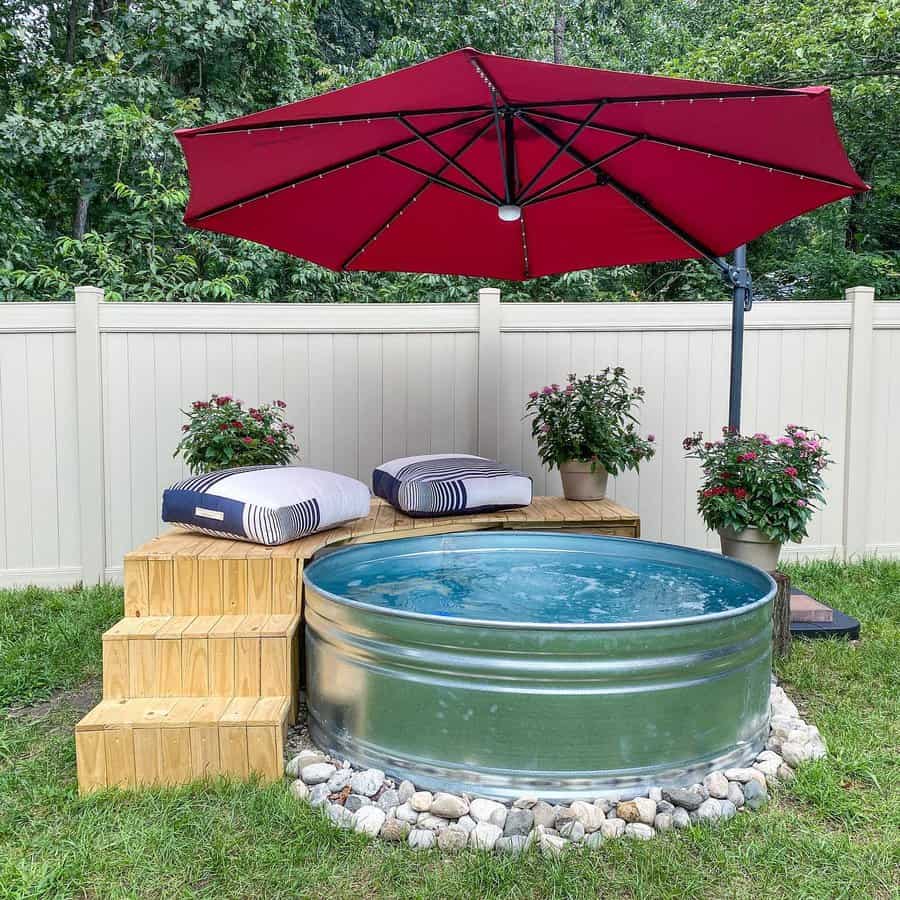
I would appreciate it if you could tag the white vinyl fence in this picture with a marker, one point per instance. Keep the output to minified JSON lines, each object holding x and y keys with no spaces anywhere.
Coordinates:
{"x":90,"y":394}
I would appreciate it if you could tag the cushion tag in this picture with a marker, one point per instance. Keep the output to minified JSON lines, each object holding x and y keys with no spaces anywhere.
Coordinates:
{"x":216,"y":514}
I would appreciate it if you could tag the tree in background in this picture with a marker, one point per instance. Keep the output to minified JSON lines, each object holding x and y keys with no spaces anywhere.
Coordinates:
{"x":93,"y":185}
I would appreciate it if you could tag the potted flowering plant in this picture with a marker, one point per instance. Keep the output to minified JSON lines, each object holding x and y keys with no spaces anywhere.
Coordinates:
{"x":589,"y":430}
{"x":758,"y":492}
{"x":221,"y":434}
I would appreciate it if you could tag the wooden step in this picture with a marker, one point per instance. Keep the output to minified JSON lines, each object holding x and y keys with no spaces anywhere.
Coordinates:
{"x":174,"y":740}
{"x":202,"y":656}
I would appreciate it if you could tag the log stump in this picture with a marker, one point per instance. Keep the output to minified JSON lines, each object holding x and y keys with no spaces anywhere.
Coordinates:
{"x":781,"y":617}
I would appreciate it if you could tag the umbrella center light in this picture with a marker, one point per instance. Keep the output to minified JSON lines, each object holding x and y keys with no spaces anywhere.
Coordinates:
{"x":509,"y":212}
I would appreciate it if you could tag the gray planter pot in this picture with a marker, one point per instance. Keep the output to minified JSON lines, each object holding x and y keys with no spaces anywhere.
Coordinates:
{"x":751,"y":546}
{"x":580,"y":483}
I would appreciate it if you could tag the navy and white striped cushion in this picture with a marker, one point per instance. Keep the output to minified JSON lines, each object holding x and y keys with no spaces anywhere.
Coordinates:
{"x":265,"y":504}
{"x":447,"y":483}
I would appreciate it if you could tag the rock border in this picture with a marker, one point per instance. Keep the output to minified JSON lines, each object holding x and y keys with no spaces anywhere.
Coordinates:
{"x":365,"y":801}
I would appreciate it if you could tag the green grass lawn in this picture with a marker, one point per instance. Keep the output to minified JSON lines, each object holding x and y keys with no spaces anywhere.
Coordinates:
{"x":834,"y":832}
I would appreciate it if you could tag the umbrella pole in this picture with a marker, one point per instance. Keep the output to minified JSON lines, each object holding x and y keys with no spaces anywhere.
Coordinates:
{"x":739,"y":275}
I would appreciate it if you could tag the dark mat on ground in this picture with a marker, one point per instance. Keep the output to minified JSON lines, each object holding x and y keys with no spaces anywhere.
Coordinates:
{"x":811,"y":618}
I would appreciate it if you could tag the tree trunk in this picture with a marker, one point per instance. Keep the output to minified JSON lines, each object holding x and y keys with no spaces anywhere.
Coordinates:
{"x":72,"y":19}
{"x":82,"y":205}
{"x":854,"y":228}
{"x":781,"y":617}
{"x":559,"y":34}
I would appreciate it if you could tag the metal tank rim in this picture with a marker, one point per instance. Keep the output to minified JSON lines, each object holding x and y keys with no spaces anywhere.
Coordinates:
{"x":328,"y":553}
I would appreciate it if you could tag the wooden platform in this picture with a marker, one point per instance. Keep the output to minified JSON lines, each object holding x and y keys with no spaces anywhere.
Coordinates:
{"x":201,"y":677}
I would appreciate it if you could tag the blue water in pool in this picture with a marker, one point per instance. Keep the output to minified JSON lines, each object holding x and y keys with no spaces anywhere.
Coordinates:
{"x":520,"y":584}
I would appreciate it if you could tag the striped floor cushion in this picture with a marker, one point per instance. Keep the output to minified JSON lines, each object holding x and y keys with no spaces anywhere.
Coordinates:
{"x":265,"y":504}
{"x":446,"y":483}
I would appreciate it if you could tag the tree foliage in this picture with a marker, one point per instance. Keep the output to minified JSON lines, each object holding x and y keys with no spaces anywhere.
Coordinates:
{"x":92,"y":183}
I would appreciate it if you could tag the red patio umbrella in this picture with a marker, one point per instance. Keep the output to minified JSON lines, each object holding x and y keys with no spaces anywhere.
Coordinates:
{"x":475,"y":164}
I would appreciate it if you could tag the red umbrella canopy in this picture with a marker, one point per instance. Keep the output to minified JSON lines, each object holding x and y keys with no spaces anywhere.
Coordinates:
{"x":475,"y":164}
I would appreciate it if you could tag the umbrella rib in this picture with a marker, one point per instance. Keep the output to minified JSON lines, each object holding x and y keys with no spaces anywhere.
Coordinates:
{"x":410,"y":200}
{"x":451,"y":160}
{"x":335,"y":120}
{"x":327,"y":170}
{"x":541,"y":194}
{"x":559,"y":151}
{"x":474,"y":195}
{"x":696,"y":148}
{"x":524,"y":246}
{"x":669,"y":98}
{"x":636,"y":199}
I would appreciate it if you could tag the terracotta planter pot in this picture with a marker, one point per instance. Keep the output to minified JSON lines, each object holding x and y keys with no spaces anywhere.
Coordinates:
{"x":750,"y":546}
{"x":580,"y":483}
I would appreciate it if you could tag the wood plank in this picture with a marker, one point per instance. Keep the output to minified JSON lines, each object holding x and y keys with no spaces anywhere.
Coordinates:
{"x":119,"y":744}
{"x":234,"y":581}
{"x":160,"y":586}
{"x":142,"y":660}
{"x":169,"y":668}
{"x":209,"y":589}
{"x":222,"y":651}
{"x":259,"y":583}
{"x":146,"y":756}
{"x":274,"y":666}
{"x":269,"y":711}
{"x":195,"y":666}
{"x":284,"y":584}
{"x":264,"y":752}
{"x":247,"y":667}
{"x":137,"y":591}
{"x":233,"y":758}
{"x":90,"y":756}
{"x":115,"y":669}
{"x":174,"y":755}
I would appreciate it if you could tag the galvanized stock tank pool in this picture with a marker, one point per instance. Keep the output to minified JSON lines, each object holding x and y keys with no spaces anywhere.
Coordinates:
{"x":511,"y":663}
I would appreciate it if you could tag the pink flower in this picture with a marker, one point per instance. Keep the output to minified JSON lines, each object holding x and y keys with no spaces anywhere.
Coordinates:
{"x":801,"y":503}
{"x":791,"y":427}
{"x":761,"y":436}
{"x":546,"y":389}
{"x":570,"y":388}
{"x":785,"y":442}
{"x":280,"y":404}
{"x":534,"y":395}
{"x":810,"y":445}
{"x":185,"y":427}
{"x":749,"y":456}
{"x":555,"y":387}
{"x":247,"y":440}
{"x":651,"y":438}
{"x":790,"y":470}
{"x":800,"y":435}
{"x":270,"y":439}
{"x":545,"y":428}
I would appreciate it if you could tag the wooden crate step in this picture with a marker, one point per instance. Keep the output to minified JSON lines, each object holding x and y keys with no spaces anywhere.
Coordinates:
{"x":202,"y":656}
{"x":174,"y":740}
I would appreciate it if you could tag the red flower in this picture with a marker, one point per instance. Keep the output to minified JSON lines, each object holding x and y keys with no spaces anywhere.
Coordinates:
{"x":237,"y":424}
{"x":790,"y":470}
{"x":280,"y":404}
{"x":223,"y":426}
{"x":247,"y":440}
{"x":740,"y":494}
{"x":221,"y":401}
{"x":270,"y":439}
{"x":749,"y":456}
{"x":185,"y":427}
